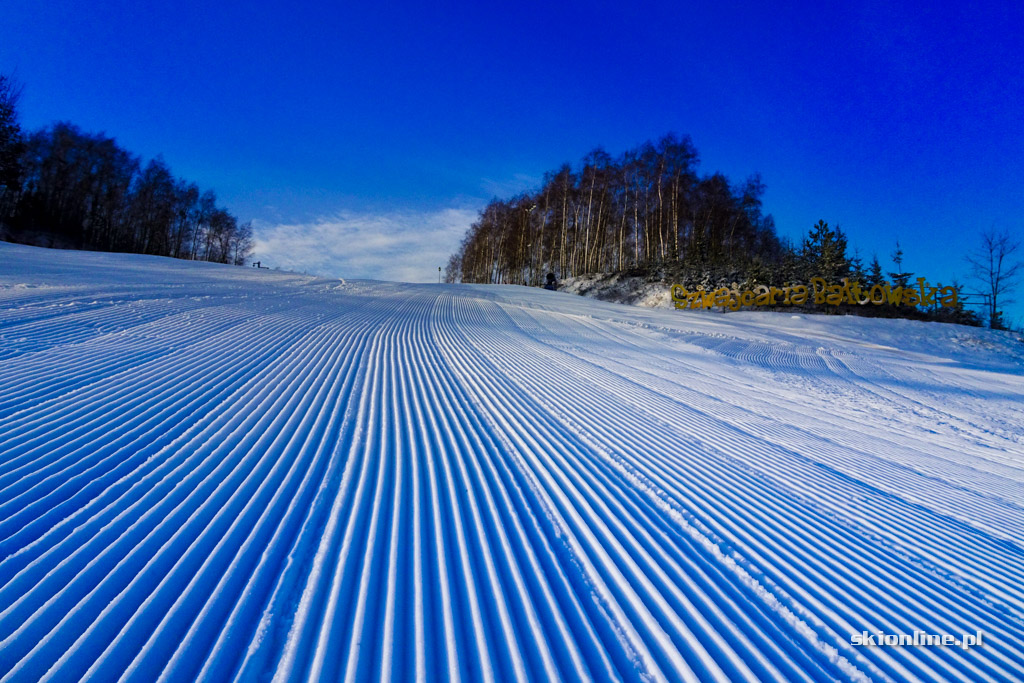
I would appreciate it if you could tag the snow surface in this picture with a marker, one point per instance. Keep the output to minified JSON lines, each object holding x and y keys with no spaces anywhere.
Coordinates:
{"x":633,"y":290}
{"x":214,"y":472}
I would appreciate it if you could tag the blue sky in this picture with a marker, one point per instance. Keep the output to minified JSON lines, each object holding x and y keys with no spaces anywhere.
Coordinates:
{"x":894,"y":120}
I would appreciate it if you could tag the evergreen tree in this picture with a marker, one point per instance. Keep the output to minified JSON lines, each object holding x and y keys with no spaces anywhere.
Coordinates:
{"x":857,"y":273}
{"x":875,"y":276}
{"x":900,"y":278}
{"x":824,"y":253}
{"x":789,"y":269}
{"x":996,"y":320}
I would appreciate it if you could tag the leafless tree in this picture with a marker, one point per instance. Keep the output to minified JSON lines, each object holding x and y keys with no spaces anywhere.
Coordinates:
{"x":646,"y":208}
{"x":997,"y":267}
{"x":11,"y":145}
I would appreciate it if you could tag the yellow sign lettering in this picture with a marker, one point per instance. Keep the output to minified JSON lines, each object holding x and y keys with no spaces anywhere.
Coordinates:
{"x":832,"y":294}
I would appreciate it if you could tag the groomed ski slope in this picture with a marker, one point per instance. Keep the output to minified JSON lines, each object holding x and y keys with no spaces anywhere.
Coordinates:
{"x":218,"y":473}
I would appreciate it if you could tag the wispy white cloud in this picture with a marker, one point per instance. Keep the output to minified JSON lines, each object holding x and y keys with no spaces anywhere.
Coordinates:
{"x":401,"y":246}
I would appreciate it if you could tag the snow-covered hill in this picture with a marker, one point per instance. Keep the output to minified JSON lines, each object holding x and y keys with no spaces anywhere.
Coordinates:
{"x":213,"y":472}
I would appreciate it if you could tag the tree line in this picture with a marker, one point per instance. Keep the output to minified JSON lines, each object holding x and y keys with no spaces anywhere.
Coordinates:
{"x":646,"y":208}
{"x":649,"y":213}
{"x":63,"y":187}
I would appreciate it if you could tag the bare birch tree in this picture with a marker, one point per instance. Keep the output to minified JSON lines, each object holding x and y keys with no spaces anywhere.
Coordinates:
{"x":997,"y":268}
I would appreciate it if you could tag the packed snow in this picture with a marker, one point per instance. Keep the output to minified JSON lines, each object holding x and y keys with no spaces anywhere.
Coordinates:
{"x":210,"y":472}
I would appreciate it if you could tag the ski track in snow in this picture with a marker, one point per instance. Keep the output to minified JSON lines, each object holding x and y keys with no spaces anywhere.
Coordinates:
{"x":216,"y":473}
